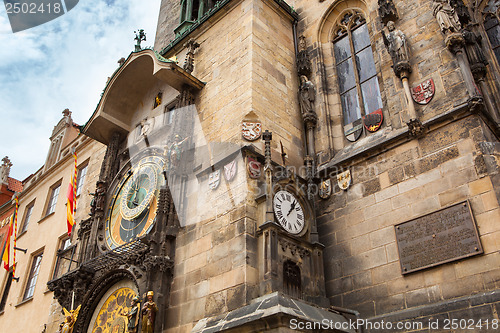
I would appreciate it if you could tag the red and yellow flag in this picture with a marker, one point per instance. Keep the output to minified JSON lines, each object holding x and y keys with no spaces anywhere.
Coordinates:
{"x":6,"y":252}
{"x":71,"y":206}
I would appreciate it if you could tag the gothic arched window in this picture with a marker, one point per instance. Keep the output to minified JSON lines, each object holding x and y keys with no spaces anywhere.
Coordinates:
{"x":492,"y":27}
{"x":356,"y":73}
{"x":292,"y":281}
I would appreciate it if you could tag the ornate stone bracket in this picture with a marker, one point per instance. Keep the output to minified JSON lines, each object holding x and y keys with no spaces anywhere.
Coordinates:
{"x":158,"y":263}
{"x":303,"y":61}
{"x":402,"y":69}
{"x":76,"y":281}
{"x":295,"y":249}
{"x":85,"y":226}
{"x":415,"y":128}
{"x":476,"y":104}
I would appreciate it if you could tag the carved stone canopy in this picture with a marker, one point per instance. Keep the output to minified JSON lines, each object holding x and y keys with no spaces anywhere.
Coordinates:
{"x":387,"y":11}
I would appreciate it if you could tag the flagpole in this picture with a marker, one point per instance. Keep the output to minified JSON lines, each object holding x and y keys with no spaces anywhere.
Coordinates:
{"x":71,"y":196}
{"x":74,"y":182}
{"x":16,"y":200}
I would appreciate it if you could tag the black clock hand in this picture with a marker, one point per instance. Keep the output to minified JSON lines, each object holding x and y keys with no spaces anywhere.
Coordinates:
{"x":292,"y":207}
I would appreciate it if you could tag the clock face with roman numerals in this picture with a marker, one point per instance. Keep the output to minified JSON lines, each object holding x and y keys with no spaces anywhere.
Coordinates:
{"x":289,"y":212}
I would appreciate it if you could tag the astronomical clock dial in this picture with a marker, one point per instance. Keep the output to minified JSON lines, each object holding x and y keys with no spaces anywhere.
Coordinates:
{"x":110,"y":316}
{"x":132,"y":210}
{"x":289,"y":212}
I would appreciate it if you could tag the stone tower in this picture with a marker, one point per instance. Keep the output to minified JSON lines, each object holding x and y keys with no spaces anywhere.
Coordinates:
{"x":277,"y":166}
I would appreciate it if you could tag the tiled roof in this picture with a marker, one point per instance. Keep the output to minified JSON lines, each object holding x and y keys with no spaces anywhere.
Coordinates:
{"x":15,"y":185}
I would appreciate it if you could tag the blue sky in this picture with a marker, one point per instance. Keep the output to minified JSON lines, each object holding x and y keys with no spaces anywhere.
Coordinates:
{"x":62,"y":64}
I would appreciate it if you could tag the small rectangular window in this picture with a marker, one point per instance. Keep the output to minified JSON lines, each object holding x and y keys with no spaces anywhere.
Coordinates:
{"x":35,"y":268}
{"x":80,"y":179}
{"x":65,"y":260}
{"x":51,"y":205}
{"x":27,"y":217}
{"x":169,"y":115}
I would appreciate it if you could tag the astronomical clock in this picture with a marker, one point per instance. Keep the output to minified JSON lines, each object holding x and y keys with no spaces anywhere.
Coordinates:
{"x":132,"y":209}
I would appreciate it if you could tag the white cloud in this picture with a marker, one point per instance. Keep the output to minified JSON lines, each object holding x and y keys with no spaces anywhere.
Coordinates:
{"x":62,"y":64}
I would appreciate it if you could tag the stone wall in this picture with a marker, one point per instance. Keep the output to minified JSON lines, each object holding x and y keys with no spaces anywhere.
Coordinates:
{"x":421,"y":176}
{"x":246,"y":58}
{"x":429,"y":59}
{"x":168,"y":20}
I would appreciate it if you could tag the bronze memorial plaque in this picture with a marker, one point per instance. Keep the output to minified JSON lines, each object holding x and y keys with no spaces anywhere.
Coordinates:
{"x":437,"y":238}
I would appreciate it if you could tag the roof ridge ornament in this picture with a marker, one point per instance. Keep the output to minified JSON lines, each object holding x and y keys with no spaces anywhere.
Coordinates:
{"x":140,"y":36}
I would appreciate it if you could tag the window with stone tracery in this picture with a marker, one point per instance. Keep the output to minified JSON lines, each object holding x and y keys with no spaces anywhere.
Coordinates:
{"x":356,"y":73}
{"x":492,"y":26}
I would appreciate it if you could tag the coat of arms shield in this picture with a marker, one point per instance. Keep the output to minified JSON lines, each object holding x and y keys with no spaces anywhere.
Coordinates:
{"x":325,"y":189}
{"x":344,"y":180}
{"x":254,"y":168}
{"x":230,"y":170}
{"x":353,"y":130}
{"x":373,"y":121}
{"x":423,"y":93}
{"x":251,"y":131}
{"x":214,"y":179}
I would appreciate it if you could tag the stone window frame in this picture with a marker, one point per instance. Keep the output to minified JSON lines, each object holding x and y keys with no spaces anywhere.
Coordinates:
{"x":349,"y":21}
{"x":493,"y":69}
{"x":485,"y":15}
{"x":335,"y":138}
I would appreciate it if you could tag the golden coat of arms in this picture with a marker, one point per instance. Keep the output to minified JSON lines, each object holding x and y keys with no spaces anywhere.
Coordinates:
{"x":344,"y":180}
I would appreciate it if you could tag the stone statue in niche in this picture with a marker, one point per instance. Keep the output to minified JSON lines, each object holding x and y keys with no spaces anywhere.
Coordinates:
{"x":446,"y":16}
{"x":473,"y":47}
{"x":98,"y":200}
{"x":149,"y":310}
{"x":396,"y":44}
{"x":146,"y":126}
{"x":474,"y":52}
{"x":307,"y":94}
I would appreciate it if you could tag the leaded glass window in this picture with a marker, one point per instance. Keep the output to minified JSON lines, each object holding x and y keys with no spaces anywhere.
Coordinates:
{"x":492,"y":28}
{"x":356,"y":73}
